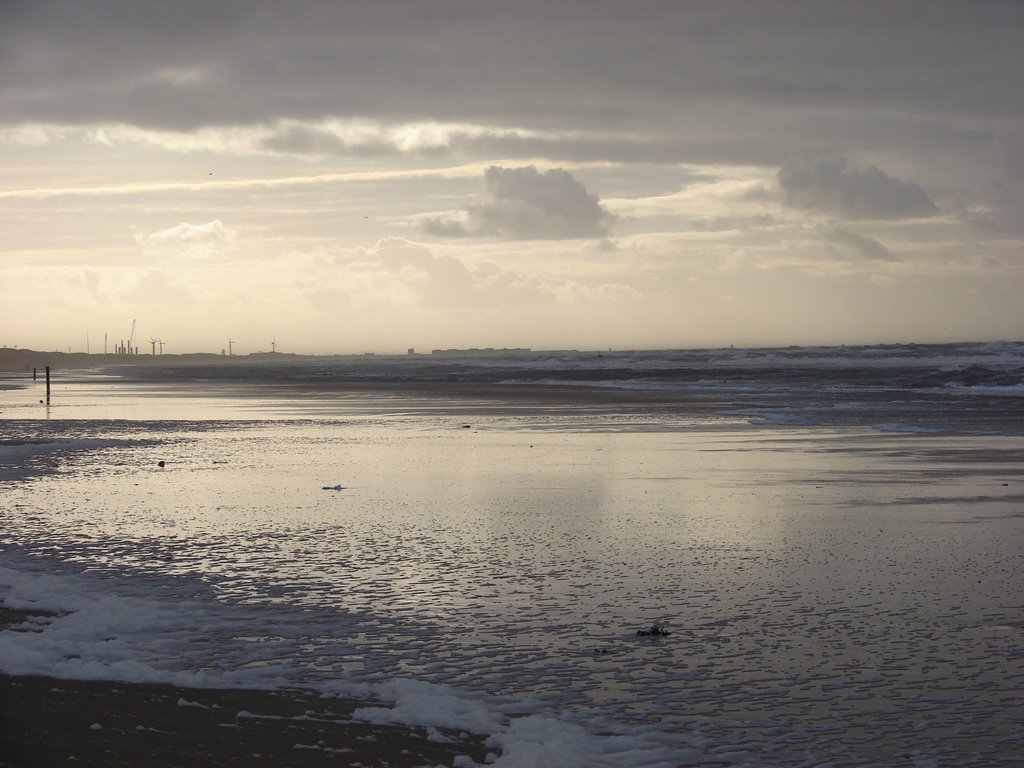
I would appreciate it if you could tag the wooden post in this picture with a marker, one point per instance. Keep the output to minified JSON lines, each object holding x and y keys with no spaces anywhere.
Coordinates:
{"x":47,"y":385}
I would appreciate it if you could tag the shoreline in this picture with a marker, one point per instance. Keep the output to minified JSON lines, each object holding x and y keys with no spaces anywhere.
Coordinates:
{"x":53,"y":721}
{"x":959,"y":389}
{"x":301,"y":399}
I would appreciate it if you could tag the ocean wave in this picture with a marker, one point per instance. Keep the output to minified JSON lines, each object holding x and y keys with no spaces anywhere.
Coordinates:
{"x":956,"y":386}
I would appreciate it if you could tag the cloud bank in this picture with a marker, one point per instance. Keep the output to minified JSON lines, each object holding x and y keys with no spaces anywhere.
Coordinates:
{"x":756,"y":163}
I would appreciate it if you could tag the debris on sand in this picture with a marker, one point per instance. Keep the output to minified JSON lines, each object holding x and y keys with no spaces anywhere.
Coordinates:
{"x":655,"y":630}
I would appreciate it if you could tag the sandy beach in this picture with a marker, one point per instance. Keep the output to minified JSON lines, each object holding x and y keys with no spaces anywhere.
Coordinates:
{"x":843,"y":593}
{"x":49,"y":722}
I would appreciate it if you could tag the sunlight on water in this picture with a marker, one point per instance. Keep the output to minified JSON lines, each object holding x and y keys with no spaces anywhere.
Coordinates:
{"x":797,"y":571}
{"x":825,"y":585}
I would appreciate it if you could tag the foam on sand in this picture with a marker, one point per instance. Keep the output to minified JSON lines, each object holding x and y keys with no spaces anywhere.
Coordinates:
{"x":74,"y":626}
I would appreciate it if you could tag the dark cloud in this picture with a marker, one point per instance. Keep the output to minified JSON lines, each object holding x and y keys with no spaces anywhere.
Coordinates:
{"x":445,"y":227}
{"x":527,"y":204}
{"x":533,"y":62}
{"x":310,"y":140}
{"x":829,"y":185}
{"x":645,"y":82}
{"x":997,"y":209}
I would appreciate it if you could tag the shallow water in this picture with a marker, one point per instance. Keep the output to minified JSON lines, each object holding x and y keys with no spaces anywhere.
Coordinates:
{"x":838,"y":592}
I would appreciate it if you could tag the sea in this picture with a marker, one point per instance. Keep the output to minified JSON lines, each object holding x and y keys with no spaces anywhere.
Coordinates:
{"x":760,"y":557}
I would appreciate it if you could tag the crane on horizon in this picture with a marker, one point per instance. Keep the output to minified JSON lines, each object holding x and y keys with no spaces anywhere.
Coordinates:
{"x":131,"y":337}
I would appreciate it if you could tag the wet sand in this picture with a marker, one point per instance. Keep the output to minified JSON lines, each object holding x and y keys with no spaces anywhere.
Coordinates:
{"x":844,"y":593}
{"x":48,"y":722}
{"x":88,"y":395}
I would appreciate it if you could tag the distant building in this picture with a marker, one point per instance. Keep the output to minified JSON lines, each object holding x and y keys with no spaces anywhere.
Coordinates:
{"x":477,"y":352}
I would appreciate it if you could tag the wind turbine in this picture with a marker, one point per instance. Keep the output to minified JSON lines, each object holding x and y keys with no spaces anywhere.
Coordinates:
{"x":154,"y":341}
{"x":231,"y":344}
{"x":161,"y":342}
{"x":273,"y":346}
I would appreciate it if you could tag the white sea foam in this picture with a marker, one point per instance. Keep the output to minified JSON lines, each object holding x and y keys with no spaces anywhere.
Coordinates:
{"x":98,"y":633}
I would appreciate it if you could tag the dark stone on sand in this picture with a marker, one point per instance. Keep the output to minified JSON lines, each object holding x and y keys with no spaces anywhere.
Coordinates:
{"x":12,"y":617}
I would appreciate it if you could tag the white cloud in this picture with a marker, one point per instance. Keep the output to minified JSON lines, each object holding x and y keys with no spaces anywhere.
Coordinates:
{"x":574,"y":291}
{"x":255,"y":183}
{"x":318,"y":138}
{"x":158,"y":287}
{"x":399,"y":272}
{"x":884,"y":281}
{"x":362,"y":138}
{"x":189,"y":242}
{"x":28,"y":135}
{"x":737,"y":192}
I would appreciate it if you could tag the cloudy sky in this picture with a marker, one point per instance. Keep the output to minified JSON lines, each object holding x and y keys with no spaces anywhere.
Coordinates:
{"x":347,"y":176}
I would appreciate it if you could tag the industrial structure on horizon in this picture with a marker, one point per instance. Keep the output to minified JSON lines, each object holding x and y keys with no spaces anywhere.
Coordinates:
{"x":478,"y":352}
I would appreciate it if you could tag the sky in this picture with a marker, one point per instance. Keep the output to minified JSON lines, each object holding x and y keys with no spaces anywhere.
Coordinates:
{"x":321,"y":176}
